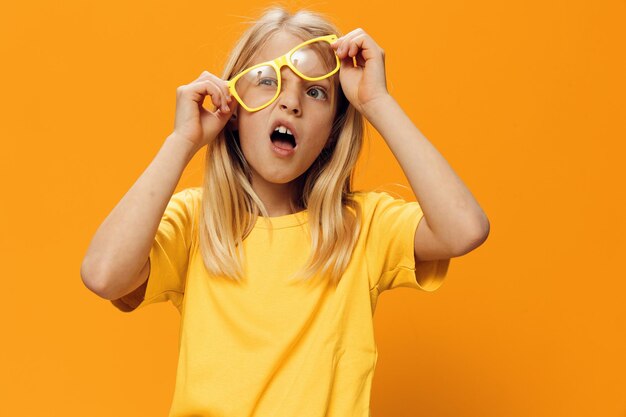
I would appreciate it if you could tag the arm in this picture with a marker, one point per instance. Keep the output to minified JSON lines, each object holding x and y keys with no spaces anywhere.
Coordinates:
{"x":131,"y":300}
{"x":116,"y":262}
{"x":453,"y":222}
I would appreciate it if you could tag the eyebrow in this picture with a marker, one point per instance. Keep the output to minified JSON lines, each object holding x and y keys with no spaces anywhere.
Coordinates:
{"x":325,"y":81}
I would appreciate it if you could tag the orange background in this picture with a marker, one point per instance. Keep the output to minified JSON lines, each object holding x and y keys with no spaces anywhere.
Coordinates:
{"x":525,"y":100}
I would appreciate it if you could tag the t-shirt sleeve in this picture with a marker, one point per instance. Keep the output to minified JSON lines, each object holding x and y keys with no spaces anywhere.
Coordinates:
{"x":169,"y":255}
{"x":393,"y":225}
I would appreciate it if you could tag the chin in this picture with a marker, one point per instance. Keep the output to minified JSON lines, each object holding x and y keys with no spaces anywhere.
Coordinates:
{"x":274,"y":176}
{"x":279,"y":178}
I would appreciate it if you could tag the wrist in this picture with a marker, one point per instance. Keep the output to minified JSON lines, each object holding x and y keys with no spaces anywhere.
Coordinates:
{"x":376,"y":105}
{"x":181,"y":144}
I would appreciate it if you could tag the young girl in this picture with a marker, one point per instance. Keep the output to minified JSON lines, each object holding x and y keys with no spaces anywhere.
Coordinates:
{"x":275,"y":264}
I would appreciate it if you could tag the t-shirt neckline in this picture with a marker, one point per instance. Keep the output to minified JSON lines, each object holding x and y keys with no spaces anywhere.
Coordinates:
{"x":287,"y":220}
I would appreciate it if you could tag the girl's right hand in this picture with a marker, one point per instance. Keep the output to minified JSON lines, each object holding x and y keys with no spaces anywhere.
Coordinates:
{"x":193,"y":122}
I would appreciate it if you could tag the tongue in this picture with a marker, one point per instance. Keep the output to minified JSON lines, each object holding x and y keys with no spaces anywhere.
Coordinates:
{"x":282,"y":144}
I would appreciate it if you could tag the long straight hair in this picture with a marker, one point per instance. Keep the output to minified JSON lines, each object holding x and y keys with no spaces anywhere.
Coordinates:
{"x":230,"y":206}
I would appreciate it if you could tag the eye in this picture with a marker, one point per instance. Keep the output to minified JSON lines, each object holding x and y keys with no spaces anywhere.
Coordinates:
{"x":268,"y":81}
{"x":319,"y":90}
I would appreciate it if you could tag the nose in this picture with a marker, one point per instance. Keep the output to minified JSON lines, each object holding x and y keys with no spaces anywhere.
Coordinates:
{"x":289,"y":97}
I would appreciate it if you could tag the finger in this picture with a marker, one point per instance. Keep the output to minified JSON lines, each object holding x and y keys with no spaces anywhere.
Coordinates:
{"x":223,"y":94}
{"x":233,"y":107}
{"x":360,"y":61}
{"x":227,"y":94}
{"x":366,"y":45}
{"x":339,"y":46}
{"x":351,"y":35}
{"x":202,"y":76}
{"x":345,"y":59}
{"x":209,"y":87}
{"x":353,"y":47}
{"x":348,"y":52}
{"x":223,"y":85}
{"x":344,"y":41}
{"x":347,"y":62}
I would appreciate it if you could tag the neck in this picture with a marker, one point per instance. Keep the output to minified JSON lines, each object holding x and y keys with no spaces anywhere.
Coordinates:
{"x":276,"y":197}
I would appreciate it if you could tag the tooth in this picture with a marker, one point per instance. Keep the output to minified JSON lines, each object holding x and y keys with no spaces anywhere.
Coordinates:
{"x":282,"y":129}
{"x":289,"y":132}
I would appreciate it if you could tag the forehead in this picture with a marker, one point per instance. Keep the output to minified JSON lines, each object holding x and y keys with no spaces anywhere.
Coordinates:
{"x":279,"y":44}
{"x":276,"y":45}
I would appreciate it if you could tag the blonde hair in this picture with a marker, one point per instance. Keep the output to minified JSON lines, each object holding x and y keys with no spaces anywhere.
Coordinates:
{"x":230,"y":207}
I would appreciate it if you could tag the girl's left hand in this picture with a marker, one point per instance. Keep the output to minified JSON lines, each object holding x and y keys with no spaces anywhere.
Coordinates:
{"x":366,"y":82}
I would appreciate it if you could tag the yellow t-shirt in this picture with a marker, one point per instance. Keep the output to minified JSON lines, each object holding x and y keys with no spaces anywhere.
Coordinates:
{"x":270,"y":348}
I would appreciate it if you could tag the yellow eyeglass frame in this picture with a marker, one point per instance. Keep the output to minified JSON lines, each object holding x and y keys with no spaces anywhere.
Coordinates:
{"x":277,"y":64}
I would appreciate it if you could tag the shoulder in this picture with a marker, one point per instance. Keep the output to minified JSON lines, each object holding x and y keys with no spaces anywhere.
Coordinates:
{"x":188,"y":193}
{"x":195,"y":192}
{"x":372,"y":200}
{"x":187,"y":201}
{"x":190,"y":196}
{"x":367,"y":197}
{"x":386,"y":211}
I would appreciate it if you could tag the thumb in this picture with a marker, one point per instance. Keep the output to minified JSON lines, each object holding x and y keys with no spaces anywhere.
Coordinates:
{"x":347,"y":63}
{"x":231,"y":109}
{"x":225,"y":115}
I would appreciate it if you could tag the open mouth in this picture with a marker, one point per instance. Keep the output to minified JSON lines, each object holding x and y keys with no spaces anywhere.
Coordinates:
{"x":283,"y":140}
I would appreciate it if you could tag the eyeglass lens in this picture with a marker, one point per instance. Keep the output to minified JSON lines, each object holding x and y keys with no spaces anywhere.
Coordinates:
{"x":258,"y":86}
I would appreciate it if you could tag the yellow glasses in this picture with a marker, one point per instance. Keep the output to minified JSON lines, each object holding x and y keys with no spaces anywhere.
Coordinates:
{"x":258,"y":86}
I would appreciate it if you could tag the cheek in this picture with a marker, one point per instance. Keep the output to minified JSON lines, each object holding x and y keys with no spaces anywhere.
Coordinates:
{"x":322,"y":135}
{"x":250,"y":149}
{"x":251,"y":133}
{"x":246,"y":143}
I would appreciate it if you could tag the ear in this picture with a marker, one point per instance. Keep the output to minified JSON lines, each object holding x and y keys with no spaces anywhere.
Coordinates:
{"x":233,"y":122}
{"x":329,"y":143}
